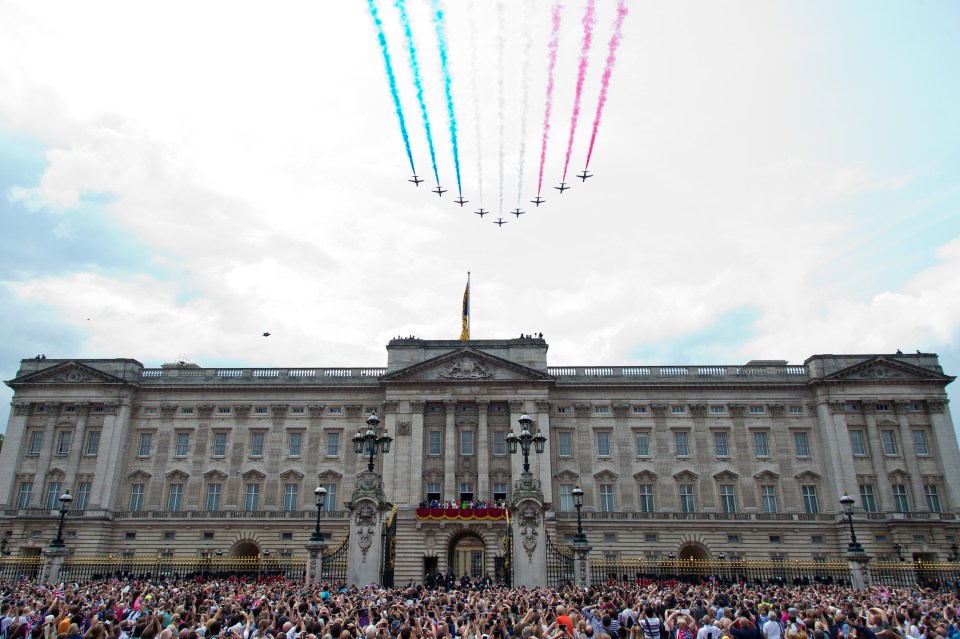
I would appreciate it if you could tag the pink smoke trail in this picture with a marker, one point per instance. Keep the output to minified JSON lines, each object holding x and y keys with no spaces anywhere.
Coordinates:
{"x":588,"y":21}
{"x":607,"y":71}
{"x":554,"y":41}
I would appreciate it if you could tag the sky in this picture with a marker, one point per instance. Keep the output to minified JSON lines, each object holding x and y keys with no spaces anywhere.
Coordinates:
{"x":770,"y":181}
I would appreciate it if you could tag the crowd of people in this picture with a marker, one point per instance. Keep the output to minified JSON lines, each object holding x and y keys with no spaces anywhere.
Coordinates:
{"x":449,"y":503}
{"x":274,"y":609}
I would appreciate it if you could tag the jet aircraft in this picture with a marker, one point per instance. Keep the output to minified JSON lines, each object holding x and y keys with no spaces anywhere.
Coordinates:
{"x":563,"y":187}
{"x":481,"y":212}
{"x":538,"y":200}
{"x":517,"y":212}
{"x":500,"y":221}
{"x":439,"y":191}
{"x":583,"y":176}
{"x":461,"y":201}
{"x":416,"y":180}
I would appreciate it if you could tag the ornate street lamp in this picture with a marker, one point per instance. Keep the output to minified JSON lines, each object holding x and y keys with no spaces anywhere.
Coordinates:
{"x":525,"y":438}
{"x":370,"y":443}
{"x":65,"y":499}
{"x":577,"y":493}
{"x":321,"y":494}
{"x":898,"y":549}
{"x":847,"y":503}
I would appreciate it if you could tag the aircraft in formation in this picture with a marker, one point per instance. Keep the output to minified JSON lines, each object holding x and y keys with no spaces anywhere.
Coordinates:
{"x":517,"y":212}
{"x":500,"y":221}
{"x":583,"y":176}
{"x":481,"y":212}
{"x":439,"y":191}
{"x":563,"y":187}
{"x":416,"y":180}
{"x":461,"y":201}
{"x":538,"y":200}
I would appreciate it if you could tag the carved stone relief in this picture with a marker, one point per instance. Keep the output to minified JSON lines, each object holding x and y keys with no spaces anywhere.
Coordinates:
{"x":364,"y":521}
{"x":529,"y":524}
{"x":466,"y":367}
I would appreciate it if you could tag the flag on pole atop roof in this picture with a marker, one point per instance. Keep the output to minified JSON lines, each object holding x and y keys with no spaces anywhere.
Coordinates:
{"x":465,"y":314}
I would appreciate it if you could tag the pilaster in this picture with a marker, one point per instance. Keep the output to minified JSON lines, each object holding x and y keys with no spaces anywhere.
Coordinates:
{"x":877,"y":457}
{"x":450,"y":451}
{"x":109,"y":465}
{"x":945,"y":443}
{"x":416,"y":451}
{"x":13,"y":442}
{"x":909,"y":451}
{"x":483,"y":452}
{"x":544,"y":463}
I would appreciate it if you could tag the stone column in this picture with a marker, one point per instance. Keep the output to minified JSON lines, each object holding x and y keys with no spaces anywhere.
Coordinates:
{"x":884,"y":491}
{"x":833,"y":432}
{"x":948,"y":455}
{"x":909,"y":451}
{"x":450,"y":451}
{"x":581,"y":564}
{"x":390,"y":463}
{"x":109,"y":465}
{"x":46,"y":452}
{"x":13,"y":441}
{"x":859,"y":571}
{"x":53,"y":560}
{"x":416,"y":451}
{"x":529,"y":534}
{"x":484,"y":452}
{"x":543,"y":462}
{"x":314,"y":572}
{"x":367,"y":508}
{"x":69,"y":480}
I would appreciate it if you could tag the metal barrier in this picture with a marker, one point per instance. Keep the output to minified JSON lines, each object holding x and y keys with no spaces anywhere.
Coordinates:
{"x":12,"y":568}
{"x":335,"y":562}
{"x":559,"y":564}
{"x":905,"y":574}
{"x":94,"y":568}
{"x":796,"y":572}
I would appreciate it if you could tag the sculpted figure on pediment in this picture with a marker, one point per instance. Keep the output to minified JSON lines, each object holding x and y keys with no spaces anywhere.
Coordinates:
{"x":466,"y":368}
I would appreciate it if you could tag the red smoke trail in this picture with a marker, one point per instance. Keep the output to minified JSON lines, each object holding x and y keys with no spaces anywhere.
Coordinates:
{"x":588,"y":22}
{"x":607,"y":71}
{"x":554,"y":40}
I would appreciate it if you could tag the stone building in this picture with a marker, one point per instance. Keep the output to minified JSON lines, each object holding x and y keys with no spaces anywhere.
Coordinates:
{"x":746,"y":460}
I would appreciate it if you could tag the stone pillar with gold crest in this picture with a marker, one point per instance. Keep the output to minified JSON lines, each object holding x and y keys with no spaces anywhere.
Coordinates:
{"x":368,"y":508}
{"x":529,"y":552}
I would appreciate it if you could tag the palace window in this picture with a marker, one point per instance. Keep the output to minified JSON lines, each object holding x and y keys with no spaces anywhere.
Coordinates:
{"x":499,"y":442}
{"x":643,"y":444}
{"x":136,"y":497}
{"x":901,"y":502}
{"x":768,"y":496}
{"x":756,"y":409}
{"x":23,"y":496}
{"x":718,"y":410}
{"x":330,"y":503}
{"x":603,"y":444}
{"x":433,"y":491}
{"x":499,"y":491}
{"x":688,"y":502}
{"x":647,"y":504}
{"x":213,"y":496}
{"x":858,"y":443}
{"x":920,"y":442}
{"x":681,"y":440}
{"x":53,"y":495}
{"x":801,"y":444}
{"x":146,"y":440}
{"x":174,"y":496}
{"x":36,"y":441}
{"x":294,"y":444}
{"x":93,"y":443}
{"x":607,"y":502}
{"x":434,"y":443}
{"x":796,"y":410}
{"x":810,"y":503}
{"x":868,"y":499}
{"x":720,"y":444}
{"x":466,"y":491}
{"x":83,"y":496}
{"x":760,"y":444}
{"x":183,"y":445}
{"x":219,"y":444}
{"x":932,"y":494}
{"x":566,"y":498}
{"x":251,"y":499}
{"x":256,"y":444}
{"x":728,"y":498}
{"x":889,"y":439}
{"x":564,"y":443}
{"x":290,"y":494}
{"x":63,"y":444}
{"x":466,"y":442}
{"x":678,"y":410}
{"x":333,"y":444}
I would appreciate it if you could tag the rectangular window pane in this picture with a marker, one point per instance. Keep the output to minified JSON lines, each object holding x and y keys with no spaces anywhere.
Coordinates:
{"x":857,"y":443}
{"x":728,"y":499}
{"x":295,"y":444}
{"x":810,"y":502}
{"x":867,"y":498}
{"x":720,"y":444}
{"x":290,"y":494}
{"x":466,"y":492}
{"x":681,"y":440}
{"x":36,"y":440}
{"x":499,"y":492}
{"x":93,"y":443}
{"x":499,"y":442}
{"x":251,"y":499}
{"x":466,"y":442}
{"x":83,"y":495}
{"x":434,"y":443}
{"x":760,"y":443}
{"x":146,"y":439}
{"x":646,"y":498}
{"x":213,"y":496}
{"x":889,"y":442}
{"x":333,"y":444}
{"x":607,"y":503}
{"x":136,"y":497}
{"x":433,"y":491}
{"x":801,"y":444}
{"x":920,"y":442}
{"x":174,"y":496}
{"x":603,"y":444}
{"x":23,"y":497}
{"x":643,"y":444}
{"x":768,"y":494}
{"x":183,"y":445}
{"x":330,"y":503}
{"x":566,"y":498}
{"x":900,"y":500}
{"x":219,"y":444}
{"x":53,"y":495}
{"x":565,"y":444}
{"x":63,"y":444}
{"x":256,"y":444}
{"x":932,"y":493}
{"x":687,"y":501}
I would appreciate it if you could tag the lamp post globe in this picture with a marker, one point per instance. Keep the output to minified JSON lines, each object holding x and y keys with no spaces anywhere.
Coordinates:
{"x":370,"y":443}
{"x":65,"y":500}
{"x":847,"y":502}
{"x":526,"y":439}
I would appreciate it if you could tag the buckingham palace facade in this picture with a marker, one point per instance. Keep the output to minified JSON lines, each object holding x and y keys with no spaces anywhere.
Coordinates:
{"x":746,"y":460}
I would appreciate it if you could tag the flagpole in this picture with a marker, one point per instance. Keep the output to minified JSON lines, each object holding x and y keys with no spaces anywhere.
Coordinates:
{"x":471,"y":304}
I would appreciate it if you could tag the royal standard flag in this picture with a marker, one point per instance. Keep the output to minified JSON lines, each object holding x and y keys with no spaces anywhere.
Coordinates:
{"x":465,"y":315}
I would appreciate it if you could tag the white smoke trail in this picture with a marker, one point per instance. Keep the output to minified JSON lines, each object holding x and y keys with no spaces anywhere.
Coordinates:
{"x":475,"y":70}
{"x":524,"y":93}
{"x":501,"y":43}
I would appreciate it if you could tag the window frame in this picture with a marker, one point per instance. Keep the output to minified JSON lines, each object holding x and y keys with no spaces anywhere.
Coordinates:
{"x":684,"y":436}
{"x":602,"y":440}
{"x":145,"y":438}
{"x":434,"y":448}
{"x":92,"y":441}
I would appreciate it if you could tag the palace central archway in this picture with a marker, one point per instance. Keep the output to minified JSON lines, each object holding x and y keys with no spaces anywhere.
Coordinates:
{"x":694,"y":552}
{"x":467,"y":555}
{"x":244,"y":549}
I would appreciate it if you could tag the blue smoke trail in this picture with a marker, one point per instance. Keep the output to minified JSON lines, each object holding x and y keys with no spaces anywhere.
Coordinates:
{"x":388,"y":65}
{"x":438,"y":22}
{"x":415,"y":68}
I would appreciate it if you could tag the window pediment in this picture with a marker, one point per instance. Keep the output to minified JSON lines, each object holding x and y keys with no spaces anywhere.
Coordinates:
{"x":55,"y":474}
{"x":645,"y":476}
{"x":139,"y":475}
{"x":686,"y":475}
{"x":767,"y":476}
{"x":174,"y":475}
{"x":329,"y":476}
{"x":253,"y":474}
{"x":808,"y":476}
{"x":606,"y":475}
{"x":214,"y":475}
{"x":567,"y":476}
{"x":726,"y":475}
{"x":291,"y":474}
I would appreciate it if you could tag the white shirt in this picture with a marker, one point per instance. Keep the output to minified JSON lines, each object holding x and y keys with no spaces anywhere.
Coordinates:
{"x":772,"y":629}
